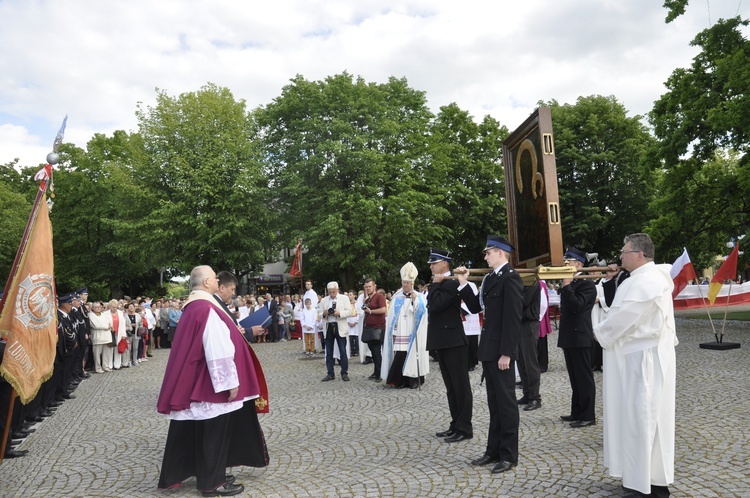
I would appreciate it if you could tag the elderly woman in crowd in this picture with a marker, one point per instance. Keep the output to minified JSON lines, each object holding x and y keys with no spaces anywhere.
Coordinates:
{"x":175,"y":312}
{"x":259,"y":304}
{"x":134,"y":319}
{"x":119,"y":326}
{"x":101,"y":338}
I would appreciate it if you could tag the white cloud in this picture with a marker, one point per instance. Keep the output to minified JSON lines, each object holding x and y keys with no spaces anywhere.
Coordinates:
{"x":95,"y":60}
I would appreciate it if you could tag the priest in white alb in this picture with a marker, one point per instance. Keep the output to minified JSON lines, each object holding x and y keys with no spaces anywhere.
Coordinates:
{"x":638,"y":337}
{"x":405,"y":358}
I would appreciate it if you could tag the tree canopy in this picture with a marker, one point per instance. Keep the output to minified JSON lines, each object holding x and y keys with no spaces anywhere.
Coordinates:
{"x":603,"y":182}
{"x":702,"y":126}
{"x":205,"y":190}
{"x":370,"y":178}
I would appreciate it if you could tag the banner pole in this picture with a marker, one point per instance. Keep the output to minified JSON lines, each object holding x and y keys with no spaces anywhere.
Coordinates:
{"x":8,"y":420}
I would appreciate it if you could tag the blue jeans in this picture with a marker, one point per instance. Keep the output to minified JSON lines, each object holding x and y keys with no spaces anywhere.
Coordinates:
{"x":332,"y":333}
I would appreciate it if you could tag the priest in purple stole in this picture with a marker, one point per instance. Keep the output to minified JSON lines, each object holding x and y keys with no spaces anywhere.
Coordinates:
{"x":208,"y":393}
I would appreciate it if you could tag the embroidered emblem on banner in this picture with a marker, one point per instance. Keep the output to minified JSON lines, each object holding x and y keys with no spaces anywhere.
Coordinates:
{"x":35,"y":302}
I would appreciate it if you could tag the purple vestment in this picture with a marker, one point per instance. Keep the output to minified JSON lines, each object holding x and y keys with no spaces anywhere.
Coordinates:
{"x":187,"y":379}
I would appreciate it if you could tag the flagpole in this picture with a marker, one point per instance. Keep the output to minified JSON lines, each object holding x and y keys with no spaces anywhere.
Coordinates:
{"x":416,"y":346}
{"x":708,"y":312}
{"x":726,"y":310}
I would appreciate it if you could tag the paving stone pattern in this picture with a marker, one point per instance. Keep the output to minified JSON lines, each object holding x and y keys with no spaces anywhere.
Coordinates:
{"x":361,"y":439}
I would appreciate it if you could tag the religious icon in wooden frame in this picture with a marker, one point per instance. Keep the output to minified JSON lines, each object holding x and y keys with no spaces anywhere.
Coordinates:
{"x":532,"y":200}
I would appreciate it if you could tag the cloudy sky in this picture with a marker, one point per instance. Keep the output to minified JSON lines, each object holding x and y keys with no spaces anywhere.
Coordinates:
{"x":95,"y":60}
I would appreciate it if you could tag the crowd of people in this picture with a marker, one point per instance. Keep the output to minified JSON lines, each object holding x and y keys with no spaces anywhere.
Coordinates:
{"x":501,"y":325}
{"x":92,"y":337}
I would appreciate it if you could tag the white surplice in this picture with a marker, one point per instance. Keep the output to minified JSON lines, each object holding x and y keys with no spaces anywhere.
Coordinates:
{"x":638,"y":337}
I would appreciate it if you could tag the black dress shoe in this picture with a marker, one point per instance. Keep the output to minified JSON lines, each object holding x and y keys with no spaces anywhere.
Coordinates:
{"x":582,"y":423}
{"x":568,"y":418}
{"x":503,"y":467}
{"x":534,"y":404}
{"x":46,"y":413}
{"x":228,"y":489}
{"x":69,"y":396}
{"x":484,"y":460}
{"x":660,"y":491}
{"x":523,"y":401}
{"x":15,"y":453}
{"x":325,"y":379}
{"x":457,"y":438}
{"x":229,"y":478}
{"x":632,"y":493}
{"x":447,"y":433}
{"x":372,"y":377}
{"x":345,"y":377}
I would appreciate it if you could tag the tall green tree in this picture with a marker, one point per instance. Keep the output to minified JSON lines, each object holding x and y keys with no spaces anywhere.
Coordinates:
{"x":349,"y":161}
{"x":604,"y":183}
{"x":210,"y":200}
{"x":14,"y":209}
{"x":467,"y":160}
{"x":685,"y":208}
{"x":97,"y":205}
{"x":703,"y":127}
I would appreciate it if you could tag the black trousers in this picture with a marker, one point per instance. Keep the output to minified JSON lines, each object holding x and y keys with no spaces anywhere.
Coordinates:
{"x":395,"y":374}
{"x":502,"y":437}
{"x":596,"y":357}
{"x":376,"y":350}
{"x":473,"y":348}
{"x":78,"y":361}
{"x":543,"y":353}
{"x":578,"y":363}
{"x":205,"y":448}
{"x":454,"y":369}
{"x":528,"y":365}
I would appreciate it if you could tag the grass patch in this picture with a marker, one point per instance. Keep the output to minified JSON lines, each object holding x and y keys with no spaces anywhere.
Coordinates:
{"x":719,"y":315}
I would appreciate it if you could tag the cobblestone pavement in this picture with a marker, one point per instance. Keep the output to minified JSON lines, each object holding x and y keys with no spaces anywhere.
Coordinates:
{"x":360,"y":439}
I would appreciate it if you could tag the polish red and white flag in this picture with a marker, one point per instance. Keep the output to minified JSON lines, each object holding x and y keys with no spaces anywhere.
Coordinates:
{"x":682,"y":273}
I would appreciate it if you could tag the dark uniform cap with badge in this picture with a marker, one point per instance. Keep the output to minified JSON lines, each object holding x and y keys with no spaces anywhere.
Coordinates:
{"x":498,"y":242}
{"x":576,"y":254}
{"x":439,"y":255}
{"x":82,"y":290}
{"x":66,"y":298}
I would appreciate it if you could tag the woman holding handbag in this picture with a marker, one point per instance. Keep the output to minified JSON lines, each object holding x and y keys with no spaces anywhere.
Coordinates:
{"x":119,"y":334}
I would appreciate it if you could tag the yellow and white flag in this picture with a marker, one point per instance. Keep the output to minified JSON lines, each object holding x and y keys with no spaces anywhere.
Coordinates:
{"x":28,"y":318}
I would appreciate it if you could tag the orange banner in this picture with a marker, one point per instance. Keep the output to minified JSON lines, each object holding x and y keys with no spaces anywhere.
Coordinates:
{"x":28,"y":320}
